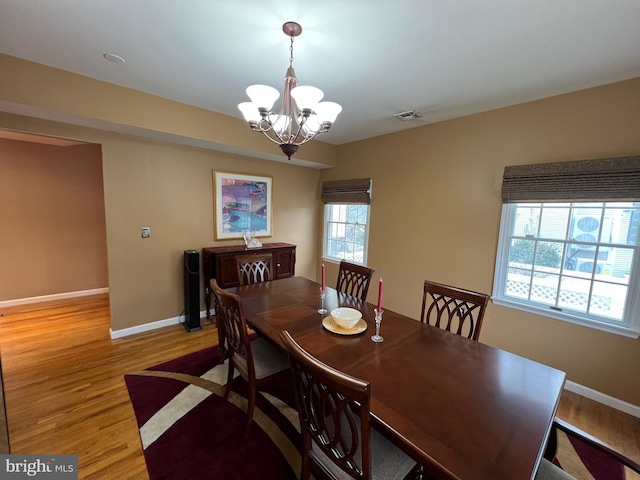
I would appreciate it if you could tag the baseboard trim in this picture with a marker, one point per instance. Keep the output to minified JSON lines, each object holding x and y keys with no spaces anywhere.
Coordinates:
{"x":603,"y":398}
{"x":125,"y":332}
{"x":55,"y":296}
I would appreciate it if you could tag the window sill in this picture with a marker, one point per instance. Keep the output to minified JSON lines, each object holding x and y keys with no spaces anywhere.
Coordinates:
{"x":338,"y":260}
{"x":331,"y":260}
{"x":564,"y":317}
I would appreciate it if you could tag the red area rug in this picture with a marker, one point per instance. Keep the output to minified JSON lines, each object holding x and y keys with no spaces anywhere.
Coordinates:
{"x":584,"y":462}
{"x":189,"y":432}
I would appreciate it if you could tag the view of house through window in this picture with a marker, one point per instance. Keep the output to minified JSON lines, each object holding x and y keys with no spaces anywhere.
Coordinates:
{"x":576,"y":259}
{"x":346,"y":232}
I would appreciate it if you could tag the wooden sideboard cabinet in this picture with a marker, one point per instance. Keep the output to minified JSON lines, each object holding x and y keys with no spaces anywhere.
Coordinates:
{"x":220,"y":263}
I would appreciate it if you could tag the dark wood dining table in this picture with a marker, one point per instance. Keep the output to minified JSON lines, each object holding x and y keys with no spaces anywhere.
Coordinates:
{"x":463,"y":409}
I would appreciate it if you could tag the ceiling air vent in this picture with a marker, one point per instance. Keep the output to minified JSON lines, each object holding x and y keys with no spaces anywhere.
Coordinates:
{"x":409,"y":115}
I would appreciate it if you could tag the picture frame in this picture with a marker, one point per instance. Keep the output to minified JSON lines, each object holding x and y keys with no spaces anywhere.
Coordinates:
{"x":242,"y":205}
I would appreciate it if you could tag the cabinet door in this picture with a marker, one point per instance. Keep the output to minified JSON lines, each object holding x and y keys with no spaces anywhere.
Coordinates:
{"x":227,"y":271}
{"x":285,"y":263}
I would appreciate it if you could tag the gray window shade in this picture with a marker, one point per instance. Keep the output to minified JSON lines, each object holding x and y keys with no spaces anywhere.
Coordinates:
{"x":347,"y":191}
{"x":615,"y":179}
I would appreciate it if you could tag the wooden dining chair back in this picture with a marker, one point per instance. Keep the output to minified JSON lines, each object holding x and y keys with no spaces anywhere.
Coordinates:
{"x":604,"y":456}
{"x":335,"y":423}
{"x":354,"y":279}
{"x":223,"y":350}
{"x":257,"y":361}
{"x":453,"y":309}
{"x":254,"y":268}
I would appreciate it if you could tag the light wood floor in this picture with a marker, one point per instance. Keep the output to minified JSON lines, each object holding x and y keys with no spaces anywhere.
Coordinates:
{"x":65,"y":391}
{"x":64,"y":384}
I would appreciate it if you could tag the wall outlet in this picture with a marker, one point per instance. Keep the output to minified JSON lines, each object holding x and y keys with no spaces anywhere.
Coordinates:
{"x":146,"y":232}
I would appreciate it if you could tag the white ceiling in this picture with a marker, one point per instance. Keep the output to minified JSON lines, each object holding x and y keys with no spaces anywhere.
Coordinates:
{"x":443,"y":58}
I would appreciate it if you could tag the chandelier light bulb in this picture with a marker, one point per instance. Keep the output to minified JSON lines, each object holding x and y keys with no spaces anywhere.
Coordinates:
{"x":311,"y":125}
{"x":281,"y":124}
{"x":250,"y":112}
{"x":328,"y":111}
{"x":307,"y":97}
{"x":263,"y":96}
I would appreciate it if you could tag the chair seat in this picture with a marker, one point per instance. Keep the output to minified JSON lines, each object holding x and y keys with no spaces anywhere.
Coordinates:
{"x":267,"y":359}
{"x":388,"y":462}
{"x":548,"y":471}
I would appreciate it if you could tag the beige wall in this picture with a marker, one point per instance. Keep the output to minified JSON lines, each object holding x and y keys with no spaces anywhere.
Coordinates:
{"x":169,"y":188}
{"x":435,"y":214}
{"x":52,"y":224}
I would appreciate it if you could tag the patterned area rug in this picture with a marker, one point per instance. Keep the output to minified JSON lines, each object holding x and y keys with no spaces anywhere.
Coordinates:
{"x":189,"y":432}
{"x":586,"y":463}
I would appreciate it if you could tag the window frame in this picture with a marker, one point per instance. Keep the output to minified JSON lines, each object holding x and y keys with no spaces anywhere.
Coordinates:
{"x":325,"y":233}
{"x":630,"y":324}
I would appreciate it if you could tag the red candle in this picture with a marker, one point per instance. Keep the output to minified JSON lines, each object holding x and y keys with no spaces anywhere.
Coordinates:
{"x":380,"y":296}
{"x":323,"y":284}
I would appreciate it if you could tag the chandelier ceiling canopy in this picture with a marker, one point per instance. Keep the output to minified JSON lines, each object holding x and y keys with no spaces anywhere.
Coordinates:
{"x":302,"y":114}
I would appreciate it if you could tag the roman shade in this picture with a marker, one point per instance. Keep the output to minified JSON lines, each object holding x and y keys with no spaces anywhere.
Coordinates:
{"x":356,"y":191}
{"x":604,"y":179}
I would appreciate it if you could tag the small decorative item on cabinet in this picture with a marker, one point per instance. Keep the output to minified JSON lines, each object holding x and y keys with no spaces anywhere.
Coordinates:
{"x":250,"y":239}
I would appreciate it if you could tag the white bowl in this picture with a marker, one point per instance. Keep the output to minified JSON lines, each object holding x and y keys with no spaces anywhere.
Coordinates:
{"x":346,"y":317}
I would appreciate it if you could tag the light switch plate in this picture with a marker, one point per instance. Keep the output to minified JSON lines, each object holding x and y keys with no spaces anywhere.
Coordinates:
{"x":146,"y":232}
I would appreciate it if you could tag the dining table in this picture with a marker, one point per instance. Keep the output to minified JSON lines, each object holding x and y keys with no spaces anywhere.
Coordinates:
{"x":461,"y":408}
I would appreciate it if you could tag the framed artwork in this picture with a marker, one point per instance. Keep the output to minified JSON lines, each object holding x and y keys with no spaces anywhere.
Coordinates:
{"x":242,"y":205}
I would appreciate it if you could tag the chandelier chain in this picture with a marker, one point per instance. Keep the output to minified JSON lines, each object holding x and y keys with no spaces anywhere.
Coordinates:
{"x":291,"y":53}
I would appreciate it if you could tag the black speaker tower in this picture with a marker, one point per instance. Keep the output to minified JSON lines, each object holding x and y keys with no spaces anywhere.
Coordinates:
{"x":192,"y":291}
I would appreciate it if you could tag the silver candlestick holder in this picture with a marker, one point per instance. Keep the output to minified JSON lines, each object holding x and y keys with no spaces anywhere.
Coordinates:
{"x":323,"y":294}
{"x":377,"y":338}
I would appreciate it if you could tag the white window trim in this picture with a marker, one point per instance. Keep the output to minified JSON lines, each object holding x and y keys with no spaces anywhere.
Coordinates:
{"x":325,"y":233}
{"x":632,"y":327}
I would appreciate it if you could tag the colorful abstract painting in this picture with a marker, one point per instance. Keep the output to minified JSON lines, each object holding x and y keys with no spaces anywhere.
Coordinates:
{"x":242,"y":204}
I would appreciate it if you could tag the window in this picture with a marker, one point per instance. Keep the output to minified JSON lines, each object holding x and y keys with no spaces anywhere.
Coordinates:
{"x":577,"y":261}
{"x":346,"y":232}
{"x":346,"y":219}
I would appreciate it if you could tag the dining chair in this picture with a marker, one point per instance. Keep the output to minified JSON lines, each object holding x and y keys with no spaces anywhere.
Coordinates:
{"x":548,"y":470}
{"x":254,"y":268}
{"x":335,"y":422}
{"x":257,"y":361}
{"x":453,"y":309}
{"x":354,"y":279}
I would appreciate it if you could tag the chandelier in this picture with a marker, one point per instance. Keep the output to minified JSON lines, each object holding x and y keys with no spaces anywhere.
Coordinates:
{"x":302,"y":115}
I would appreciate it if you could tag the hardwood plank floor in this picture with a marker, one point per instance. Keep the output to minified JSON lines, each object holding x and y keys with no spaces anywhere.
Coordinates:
{"x":612,"y":426}
{"x":65,"y":390}
{"x":64,"y":385}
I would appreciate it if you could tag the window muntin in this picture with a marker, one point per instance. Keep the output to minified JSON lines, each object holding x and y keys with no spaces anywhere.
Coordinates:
{"x":573,"y":261}
{"x":346,"y":232}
